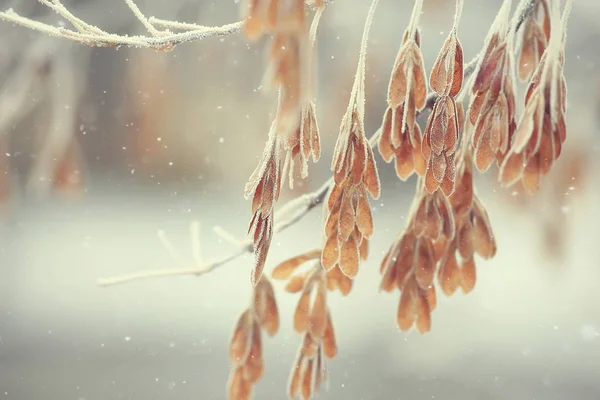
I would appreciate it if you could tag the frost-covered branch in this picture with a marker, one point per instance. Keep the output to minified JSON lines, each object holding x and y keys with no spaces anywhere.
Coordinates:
{"x":157,"y":39}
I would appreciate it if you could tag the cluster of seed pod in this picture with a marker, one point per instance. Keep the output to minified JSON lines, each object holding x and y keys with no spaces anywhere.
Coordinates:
{"x":472,"y":234}
{"x":444,"y":221}
{"x":312,"y":319}
{"x":440,"y":138}
{"x":410,"y":263}
{"x":303,"y":142}
{"x":347,"y":228}
{"x":541,"y":131}
{"x":294,"y":131}
{"x":492,"y":108}
{"x":245,"y":352}
{"x":349,"y":221}
{"x":443,"y":235}
{"x":407,"y":94}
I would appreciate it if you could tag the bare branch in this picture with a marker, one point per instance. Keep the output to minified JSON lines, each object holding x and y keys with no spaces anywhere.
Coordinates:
{"x":90,"y":35}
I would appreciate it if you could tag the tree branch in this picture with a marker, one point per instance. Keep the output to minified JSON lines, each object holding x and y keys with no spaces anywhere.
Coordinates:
{"x":93,"y":36}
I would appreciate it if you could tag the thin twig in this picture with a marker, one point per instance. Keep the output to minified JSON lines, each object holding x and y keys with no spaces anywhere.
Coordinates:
{"x":159,"y":273}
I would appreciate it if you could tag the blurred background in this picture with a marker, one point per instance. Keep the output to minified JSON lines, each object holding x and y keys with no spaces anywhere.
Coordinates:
{"x":100,"y":148}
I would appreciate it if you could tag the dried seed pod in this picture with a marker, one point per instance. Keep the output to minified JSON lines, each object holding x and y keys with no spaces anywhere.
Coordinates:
{"x":473,"y":235}
{"x":310,"y":312}
{"x":253,"y":367}
{"x":492,"y":109}
{"x":483,"y":237}
{"x":240,"y":342}
{"x":264,"y":186}
{"x":265,"y":307}
{"x":347,"y":227}
{"x":304,"y":140}
{"x":245,"y":351}
{"x":300,"y":280}
{"x":407,"y":80}
{"x":402,"y":143}
{"x":414,"y":307}
{"x":239,"y":388}
{"x":449,"y":274}
{"x":349,"y":220}
{"x":434,"y":217}
{"x":337,"y":280}
{"x":407,"y":91}
{"x":447,"y":72}
{"x":410,"y":264}
{"x":443,"y":128}
{"x":398,"y":262}
{"x":541,"y":132}
{"x":439,"y":144}
{"x":285,"y":269}
{"x":353,"y":162}
{"x":310,"y":139}
{"x":308,"y":374}
{"x":462,"y":198}
{"x":533,"y":40}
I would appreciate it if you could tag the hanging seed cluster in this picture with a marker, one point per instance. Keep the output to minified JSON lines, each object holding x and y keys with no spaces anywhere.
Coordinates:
{"x":294,"y":132}
{"x":246,"y":348}
{"x":492,"y":109}
{"x":312,"y":319}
